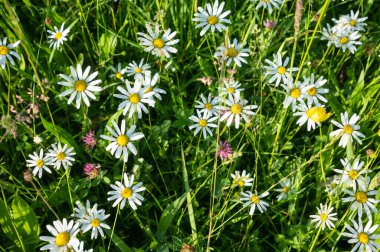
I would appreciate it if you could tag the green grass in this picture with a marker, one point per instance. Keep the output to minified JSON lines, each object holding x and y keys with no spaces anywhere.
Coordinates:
{"x":189,"y":198}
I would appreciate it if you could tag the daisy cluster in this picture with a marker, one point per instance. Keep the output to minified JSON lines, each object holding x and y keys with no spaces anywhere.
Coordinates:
{"x":346,"y":32}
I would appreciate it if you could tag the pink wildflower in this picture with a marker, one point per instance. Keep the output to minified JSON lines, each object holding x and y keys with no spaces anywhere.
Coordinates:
{"x":89,"y":140}
{"x":92,"y":170}
{"x":224,"y":150}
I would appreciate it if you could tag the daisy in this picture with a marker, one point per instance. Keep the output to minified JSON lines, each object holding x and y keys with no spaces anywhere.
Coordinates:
{"x":61,"y":156}
{"x":124,"y":192}
{"x":81,"y":85}
{"x":149,"y":85}
{"x":134,"y":99}
{"x":315,"y":93}
{"x":330,"y":35}
{"x":360,"y":199}
{"x":267,"y":4}
{"x":285,"y":190}
{"x":347,"y":130}
{"x":295,"y":92}
{"x":203,"y":123}
{"x":231,"y":88}
{"x":236,"y":109}
{"x":212,"y":17}
{"x":347,"y":40}
{"x":208,"y":105}
{"x":254,"y":200}
{"x":313,"y":115}
{"x":241,"y":180}
{"x":324,"y":217}
{"x":332,"y":184}
{"x":158,"y":44}
{"x":137,"y":70}
{"x":58,"y":36}
{"x":351,"y":22}
{"x":277,"y":69}
{"x":39,"y":162}
{"x":121,"y":140}
{"x":7,"y":53}
{"x":80,"y":212}
{"x":364,"y":238}
{"x":351,"y":175}
{"x":94,"y":220}
{"x":63,"y":238}
{"x":117,"y":72}
{"x":233,"y":52}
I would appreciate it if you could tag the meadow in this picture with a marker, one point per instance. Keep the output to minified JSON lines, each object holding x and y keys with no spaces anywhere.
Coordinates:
{"x":188,"y":125}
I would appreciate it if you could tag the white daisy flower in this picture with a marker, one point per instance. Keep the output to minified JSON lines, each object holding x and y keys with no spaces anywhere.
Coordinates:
{"x":236,"y":109}
{"x":124,"y":192}
{"x":295,"y":92}
{"x":267,"y":4}
{"x":39,"y":162}
{"x":347,"y":130}
{"x":81,"y":85}
{"x":360,"y":198}
{"x":212,"y":17}
{"x":277,"y":69}
{"x":149,"y":85}
{"x":254,"y":200}
{"x":203,"y":123}
{"x":311,"y":115}
{"x":159,"y":45}
{"x":137,"y":70}
{"x":7,"y":53}
{"x":117,"y":72}
{"x":233,"y":52}
{"x":364,"y":238}
{"x":351,"y":175}
{"x":332,"y":184}
{"x":231,"y":88}
{"x":59,"y":156}
{"x":121,"y":140}
{"x":315,"y":94}
{"x":64,"y":236}
{"x":58,"y":36}
{"x":347,"y":40}
{"x":351,"y":22}
{"x":80,"y":212}
{"x":330,"y":35}
{"x":208,"y":105}
{"x":324,"y":217}
{"x":134,"y":99}
{"x":285,"y":190}
{"x":94,"y":221}
{"x":241,"y":180}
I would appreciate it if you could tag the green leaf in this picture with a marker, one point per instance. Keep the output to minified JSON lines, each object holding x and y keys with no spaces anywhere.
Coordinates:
{"x":168,"y":215}
{"x":7,"y":225}
{"x":118,"y":241}
{"x":107,"y":45}
{"x":25,"y":221}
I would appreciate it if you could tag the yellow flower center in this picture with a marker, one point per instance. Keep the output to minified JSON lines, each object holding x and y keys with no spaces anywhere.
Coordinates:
{"x":118,"y":75}
{"x":212,"y":20}
{"x":158,"y":43}
{"x":347,"y":129}
{"x":236,"y":109}
{"x":344,"y":40}
{"x":4,"y":50}
{"x":286,"y":189}
{"x":80,"y":85}
{"x":361,"y":197}
{"x":352,"y":22}
{"x":58,"y":35}
{"x":255,"y":199}
{"x":126,"y":193}
{"x":203,"y":123}
{"x":208,"y":106}
{"x":138,"y":70}
{"x":40,"y":163}
{"x":134,"y":98}
{"x":61,"y":155}
{"x":122,"y":140}
{"x":95,"y":223}
{"x":149,"y":89}
{"x":323,"y":217}
{"x":62,"y":239}
{"x":333,"y":185}
{"x":240,"y":183}
{"x":363,"y":238}
{"x":317,"y":114}
{"x":232,"y":52}
{"x":281,"y":70}
{"x":295,"y":93}
{"x":312,"y":91}
{"x":265,"y":1}
{"x":353,"y":174}
{"x":231,"y":90}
